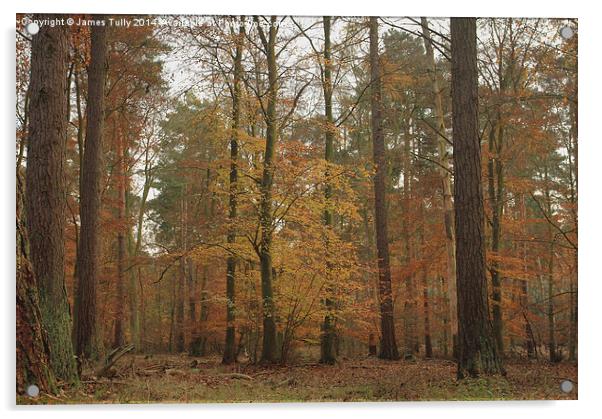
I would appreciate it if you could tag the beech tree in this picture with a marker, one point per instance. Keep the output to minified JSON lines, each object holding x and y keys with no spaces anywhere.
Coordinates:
{"x":230,"y":348}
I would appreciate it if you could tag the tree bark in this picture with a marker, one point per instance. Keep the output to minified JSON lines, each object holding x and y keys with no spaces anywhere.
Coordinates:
{"x":495,"y":178}
{"x":118,"y":337}
{"x":388,"y":344}
{"x":552,"y":348}
{"x":230,"y":347}
{"x":134,"y":313}
{"x":268,"y":353}
{"x":426,"y":310}
{"x":478,"y":352}
{"x":180,"y":296}
{"x":45,"y":190}
{"x":328,"y":337}
{"x":33,"y":350}
{"x":88,"y":254}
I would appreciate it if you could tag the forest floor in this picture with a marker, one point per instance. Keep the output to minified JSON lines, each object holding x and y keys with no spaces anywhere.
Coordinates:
{"x":183,"y":379}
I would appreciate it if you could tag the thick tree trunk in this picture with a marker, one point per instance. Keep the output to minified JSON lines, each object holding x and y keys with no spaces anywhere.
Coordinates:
{"x":45,"y":190}
{"x":230,"y":347}
{"x":88,"y":254}
{"x":328,"y":337}
{"x":478,"y":352}
{"x":33,"y":350}
{"x":388,"y":344}
{"x":445,"y":172}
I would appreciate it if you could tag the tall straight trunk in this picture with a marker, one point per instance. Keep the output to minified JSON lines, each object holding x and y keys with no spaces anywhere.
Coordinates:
{"x":328,"y":337}
{"x":388,"y":344}
{"x":230,"y":347}
{"x":45,"y":192}
{"x":88,"y":254}
{"x":118,"y":336}
{"x":445,"y":173}
{"x":268,"y":352}
{"x":478,"y":351}
{"x":495,"y":181}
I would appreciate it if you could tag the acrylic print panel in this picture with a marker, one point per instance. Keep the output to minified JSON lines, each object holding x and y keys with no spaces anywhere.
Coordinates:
{"x":295,"y":209}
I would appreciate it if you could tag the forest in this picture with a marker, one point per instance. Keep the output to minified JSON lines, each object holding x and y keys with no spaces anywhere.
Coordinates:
{"x":284,"y":209}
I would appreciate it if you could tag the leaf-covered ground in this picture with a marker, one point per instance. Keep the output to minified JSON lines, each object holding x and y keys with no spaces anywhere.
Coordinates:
{"x":181,"y":379}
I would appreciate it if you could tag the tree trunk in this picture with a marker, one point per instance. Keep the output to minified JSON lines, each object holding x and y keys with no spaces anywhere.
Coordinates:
{"x":529,"y":342}
{"x":428,"y":344}
{"x":142,"y":312}
{"x":495,"y":178}
{"x":445,"y":172}
{"x":134,"y":313}
{"x":45,"y":190}
{"x":478,"y":352}
{"x":388,"y":344}
{"x":118,"y":337}
{"x":230,"y":346}
{"x":33,"y":350}
{"x":88,"y":254}
{"x":180,"y":296}
{"x":552,"y":349}
{"x":268,"y":353}
{"x":328,"y":337}
{"x":148,"y":181}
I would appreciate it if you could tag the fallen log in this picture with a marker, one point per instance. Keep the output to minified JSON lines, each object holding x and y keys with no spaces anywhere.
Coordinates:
{"x":112,"y":358}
